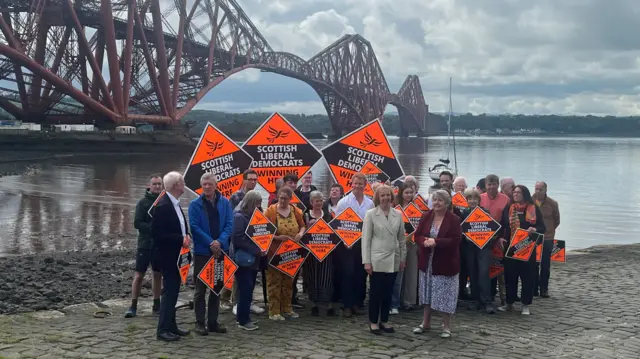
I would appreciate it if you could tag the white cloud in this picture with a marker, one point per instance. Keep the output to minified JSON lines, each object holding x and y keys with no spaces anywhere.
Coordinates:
{"x":544,"y":56}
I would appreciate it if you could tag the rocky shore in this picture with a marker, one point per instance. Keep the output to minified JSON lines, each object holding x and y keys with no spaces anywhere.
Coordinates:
{"x":55,"y":280}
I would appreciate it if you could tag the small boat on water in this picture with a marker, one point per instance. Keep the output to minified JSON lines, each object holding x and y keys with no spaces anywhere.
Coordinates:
{"x":444,"y":162}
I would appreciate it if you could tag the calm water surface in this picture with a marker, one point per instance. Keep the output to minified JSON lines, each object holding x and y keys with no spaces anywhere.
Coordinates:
{"x":81,"y":202}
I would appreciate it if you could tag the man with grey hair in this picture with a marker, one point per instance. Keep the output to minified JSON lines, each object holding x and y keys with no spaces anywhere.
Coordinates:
{"x":507,"y":184}
{"x":551,"y":216}
{"x":170,"y":233}
{"x":211,"y":220}
{"x":459,"y":185}
{"x":413,"y":182}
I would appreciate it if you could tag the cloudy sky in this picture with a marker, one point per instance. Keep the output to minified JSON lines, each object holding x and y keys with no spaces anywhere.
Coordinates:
{"x":505,"y":56}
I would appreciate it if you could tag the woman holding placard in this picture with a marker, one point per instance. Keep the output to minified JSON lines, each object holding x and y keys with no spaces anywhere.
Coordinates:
{"x":524,"y":214}
{"x":289,"y":225}
{"x":318,"y":275}
{"x":438,"y":238}
{"x":383,"y":255}
{"x":405,"y":289}
{"x":247,"y":255}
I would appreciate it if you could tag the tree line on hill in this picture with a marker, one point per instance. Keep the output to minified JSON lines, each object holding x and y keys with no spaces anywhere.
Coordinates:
{"x":241,"y":125}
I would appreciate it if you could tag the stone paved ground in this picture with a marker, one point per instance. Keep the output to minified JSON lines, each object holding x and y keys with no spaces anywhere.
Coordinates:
{"x":593,"y":313}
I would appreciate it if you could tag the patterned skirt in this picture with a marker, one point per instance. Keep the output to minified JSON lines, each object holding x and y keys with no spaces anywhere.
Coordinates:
{"x":438,"y":291}
{"x":318,"y":277}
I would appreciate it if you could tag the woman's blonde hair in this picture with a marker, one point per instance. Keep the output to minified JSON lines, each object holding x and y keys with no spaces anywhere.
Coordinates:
{"x":472,"y":193}
{"x":443,"y":195}
{"x":378,"y":192}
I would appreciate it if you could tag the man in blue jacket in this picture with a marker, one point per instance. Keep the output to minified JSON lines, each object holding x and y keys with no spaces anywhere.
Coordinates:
{"x":211,"y":222}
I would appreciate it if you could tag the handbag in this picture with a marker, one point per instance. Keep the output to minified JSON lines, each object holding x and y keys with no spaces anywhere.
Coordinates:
{"x":244,"y":258}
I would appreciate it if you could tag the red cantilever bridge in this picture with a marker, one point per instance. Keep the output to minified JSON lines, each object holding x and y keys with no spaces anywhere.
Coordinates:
{"x":59,"y":59}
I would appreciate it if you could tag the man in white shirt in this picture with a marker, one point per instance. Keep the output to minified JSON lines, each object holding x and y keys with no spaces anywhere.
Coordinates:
{"x":170,"y":233}
{"x":353,"y":276}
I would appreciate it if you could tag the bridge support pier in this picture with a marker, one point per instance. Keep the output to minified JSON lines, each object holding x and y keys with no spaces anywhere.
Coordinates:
{"x":403,"y":133}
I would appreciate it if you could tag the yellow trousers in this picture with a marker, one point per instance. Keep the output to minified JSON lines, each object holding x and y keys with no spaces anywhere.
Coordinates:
{"x":279,"y":290}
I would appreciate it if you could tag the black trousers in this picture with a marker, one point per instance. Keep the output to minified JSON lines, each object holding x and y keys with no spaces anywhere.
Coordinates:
{"x":170,"y":290}
{"x":464,"y":268}
{"x":200,"y":294}
{"x":353,"y":276}
{"x":478,"y":262}
{"x":246,"y":281}
{"x":543,"y":269}
{"x":380,"y":290}
{"x":526,"y":272}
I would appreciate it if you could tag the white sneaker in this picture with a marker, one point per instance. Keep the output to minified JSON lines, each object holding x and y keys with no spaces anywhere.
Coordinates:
{"x":256,"y":309}
{"x":235,"y":310}
{"x":506,"y":308}
{"x":525,"y":310}
{"x":394,"y":311}
{"x":225,"y":306}
{"x":276,"y":317}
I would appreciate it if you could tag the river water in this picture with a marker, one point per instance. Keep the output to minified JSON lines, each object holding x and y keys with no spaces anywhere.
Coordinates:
{"x":87,"y":202}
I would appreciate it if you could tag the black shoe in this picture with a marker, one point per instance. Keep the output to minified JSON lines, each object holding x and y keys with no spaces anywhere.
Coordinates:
{"x":315,"y":311}
{"x":167,"y":337}
{"x":387,"y":329}
{"x":544,"y":294}
{"x":475,"y":306}
{"x":296,"y":304}
{"x":374,"y":331}
{"x":217,"y":328}
{"x":331,"y":312}
{"x":181,"y":332}
{"x":201,"y":329}
{"x":346,"y":312}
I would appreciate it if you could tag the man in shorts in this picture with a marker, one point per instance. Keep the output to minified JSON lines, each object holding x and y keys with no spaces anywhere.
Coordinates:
{"x":142,"y":222}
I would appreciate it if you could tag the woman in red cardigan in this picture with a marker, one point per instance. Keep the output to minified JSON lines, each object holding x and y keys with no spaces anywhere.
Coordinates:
{"x":438,"y":238}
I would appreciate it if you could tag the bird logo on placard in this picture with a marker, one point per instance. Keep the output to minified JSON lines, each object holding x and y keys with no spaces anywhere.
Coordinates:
{"x":213,"y":147}
{"x":276,"y":134}
{"x":368,"y":140}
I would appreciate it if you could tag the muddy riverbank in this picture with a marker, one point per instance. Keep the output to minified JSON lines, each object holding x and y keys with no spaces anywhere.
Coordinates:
{"x":55,"y":280}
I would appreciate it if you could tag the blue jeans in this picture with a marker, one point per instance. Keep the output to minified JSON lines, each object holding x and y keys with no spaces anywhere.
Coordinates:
{"x":170,"y":291}
{"x":397,"y":290}
{"x":245,"y":281}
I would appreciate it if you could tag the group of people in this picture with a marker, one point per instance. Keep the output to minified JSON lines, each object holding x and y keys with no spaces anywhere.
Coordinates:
{"x":430,"y":267}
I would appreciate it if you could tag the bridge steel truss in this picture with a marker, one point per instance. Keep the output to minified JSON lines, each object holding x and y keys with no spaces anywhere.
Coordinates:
{"x":59,"y":59}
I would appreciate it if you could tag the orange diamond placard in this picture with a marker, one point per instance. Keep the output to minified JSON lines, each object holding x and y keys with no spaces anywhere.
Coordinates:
{"x":217,"y":272}
{"x":408,"y":227}
{"x":479,"y":227}
{"x":496,"y":267}
{"x":351,"y":153}
{"x":277,"y":149}
{"x":289,"y":257}
{"x":184,"y":263}
{"x":521,"y":246}
{"x":218,"y":154}
{"x":459,"y":200}
{"x":260,"y":230}
{"x":421,"y":203}
{"x":414,"y":214}
{"x":320,"y":239}
{"x":348,"y":226}
{"x":559,"y":252}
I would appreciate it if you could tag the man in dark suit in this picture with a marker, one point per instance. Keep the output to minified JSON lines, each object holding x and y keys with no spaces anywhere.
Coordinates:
{"x":170,"y":233}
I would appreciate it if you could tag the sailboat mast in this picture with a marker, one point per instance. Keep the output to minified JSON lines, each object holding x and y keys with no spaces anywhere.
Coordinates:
{"x":455,"y":158}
